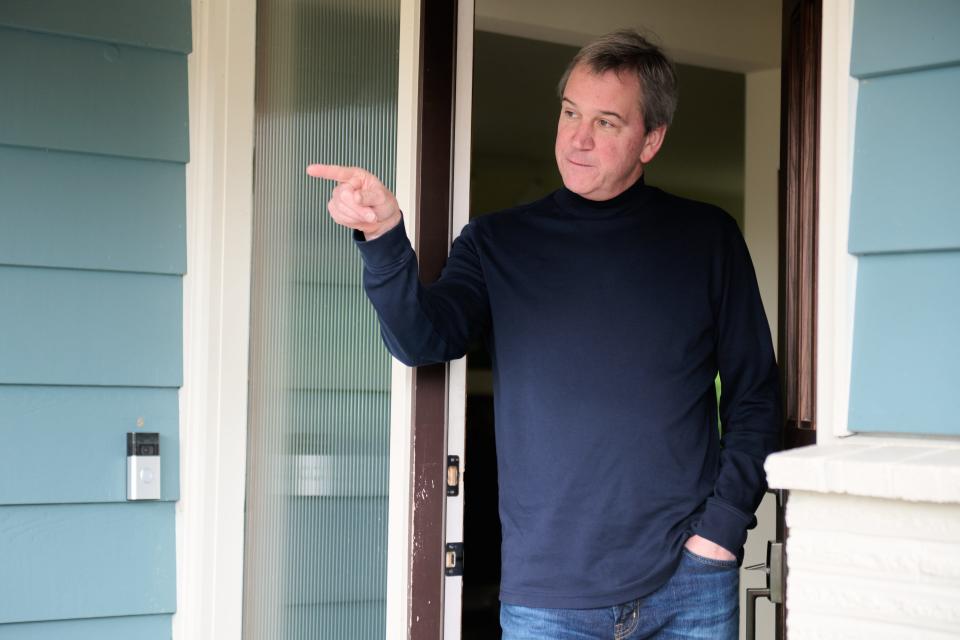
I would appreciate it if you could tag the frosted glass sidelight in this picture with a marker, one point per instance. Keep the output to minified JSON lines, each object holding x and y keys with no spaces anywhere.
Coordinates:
{"x":317,"y":460}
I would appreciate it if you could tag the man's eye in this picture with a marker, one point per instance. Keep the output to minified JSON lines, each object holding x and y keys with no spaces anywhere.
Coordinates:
{"x":567,"y":113}
{"x":605,"y":124}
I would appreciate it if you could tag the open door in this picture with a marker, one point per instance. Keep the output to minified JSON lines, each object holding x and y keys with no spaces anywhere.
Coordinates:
{"x":442,"y":202}
{"x":439,"y":462}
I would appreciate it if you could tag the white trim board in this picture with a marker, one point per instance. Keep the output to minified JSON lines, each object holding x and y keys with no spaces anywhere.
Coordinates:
{"x":216,"y":303}
{"x":836,"y":268}
{"x":399,"y":521}
{"x":457,"y":378}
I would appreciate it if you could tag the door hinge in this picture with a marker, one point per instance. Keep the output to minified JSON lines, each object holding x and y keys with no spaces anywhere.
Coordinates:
{"x":453,"y":475}
{"x":453,"y":559}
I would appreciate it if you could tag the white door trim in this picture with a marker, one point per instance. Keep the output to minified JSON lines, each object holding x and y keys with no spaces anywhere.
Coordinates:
{"x":836,"y":268}
{"x":457,"y":379}
{"x":399,"y":532}
{"x":216,"y":322}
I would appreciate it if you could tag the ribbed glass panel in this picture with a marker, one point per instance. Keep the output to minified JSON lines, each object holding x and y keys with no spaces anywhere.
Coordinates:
{"x":317,"y":463}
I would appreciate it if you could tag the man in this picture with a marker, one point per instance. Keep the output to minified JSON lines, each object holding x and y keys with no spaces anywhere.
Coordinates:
{"x":608,"y":308}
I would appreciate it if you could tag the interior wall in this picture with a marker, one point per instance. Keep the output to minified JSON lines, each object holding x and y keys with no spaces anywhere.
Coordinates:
{"x":761,"y":160}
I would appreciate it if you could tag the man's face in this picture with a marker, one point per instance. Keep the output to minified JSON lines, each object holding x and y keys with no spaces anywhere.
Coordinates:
{"x":602,"y":144}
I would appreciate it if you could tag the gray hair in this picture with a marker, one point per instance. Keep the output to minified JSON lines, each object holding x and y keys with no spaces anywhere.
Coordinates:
{"x":628,"y":51}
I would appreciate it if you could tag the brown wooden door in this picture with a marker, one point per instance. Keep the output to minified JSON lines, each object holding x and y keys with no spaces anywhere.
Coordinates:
{"x":438,"y":51}
{"x":799,"y":150}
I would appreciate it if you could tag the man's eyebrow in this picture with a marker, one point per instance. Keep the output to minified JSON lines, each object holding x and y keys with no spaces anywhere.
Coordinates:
{"x":603,"y":113}
{"x":614,"y":114}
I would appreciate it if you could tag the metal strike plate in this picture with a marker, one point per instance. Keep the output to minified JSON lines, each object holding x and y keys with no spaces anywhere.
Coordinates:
{"x":453,"y":476}
{"x":453,"y":559}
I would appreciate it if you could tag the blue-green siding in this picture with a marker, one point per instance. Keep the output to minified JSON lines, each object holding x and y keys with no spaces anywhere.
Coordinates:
{"x":93,"y":143}
{"x":92,"y":97}
{"x":126,"y":628}
{"x":906,"y":190}
{"x":139,"y":201}
{"x":893,"y":36}
{"x":905,"y":217}
{"x":87,"y":561}
{"x":906,"y":350}
{"x":78,"y":327}
{"x":142,"y":23}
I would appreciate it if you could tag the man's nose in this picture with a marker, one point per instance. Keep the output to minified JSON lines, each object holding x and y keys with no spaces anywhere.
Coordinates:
{"x":583,"y":136}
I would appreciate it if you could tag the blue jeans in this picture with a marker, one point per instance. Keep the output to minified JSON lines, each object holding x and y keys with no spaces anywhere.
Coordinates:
{"x":700,"y":600}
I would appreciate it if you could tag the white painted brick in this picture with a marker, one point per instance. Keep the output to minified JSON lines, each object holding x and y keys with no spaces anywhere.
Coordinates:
{"x":883,"y":601}
{"x":896,"y":559}
{"x":827,"y":627}
{"x":872,"y":568}
{"x":919,"y":521}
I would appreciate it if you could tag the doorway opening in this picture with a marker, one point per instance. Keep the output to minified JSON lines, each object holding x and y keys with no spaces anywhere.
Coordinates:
{"x":723,"y":148}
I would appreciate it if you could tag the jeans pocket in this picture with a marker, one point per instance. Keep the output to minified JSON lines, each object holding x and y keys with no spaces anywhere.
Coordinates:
{"x":710,"y":562}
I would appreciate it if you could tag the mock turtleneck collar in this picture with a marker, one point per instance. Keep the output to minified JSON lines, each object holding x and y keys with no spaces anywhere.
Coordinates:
{"x":622,"y":203}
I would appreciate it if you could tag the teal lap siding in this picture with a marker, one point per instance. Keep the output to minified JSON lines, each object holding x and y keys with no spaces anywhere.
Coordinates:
{"x":92,"y":97}
{"x":94,"y":560}
{"x":904,"y":376}
{"x":139,"y":203}
{"x":93,"y":143}
{"x":905,"y":217}
{"x":125,"y":628}
{"x":81,"y":327}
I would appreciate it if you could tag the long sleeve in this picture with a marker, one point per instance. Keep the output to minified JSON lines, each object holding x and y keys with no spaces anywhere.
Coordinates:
{"x":749,"y":401}
{"x":424,"y":324}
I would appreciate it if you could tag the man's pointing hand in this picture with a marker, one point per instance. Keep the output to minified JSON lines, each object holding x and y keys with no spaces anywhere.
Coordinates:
{"x":359,"y":201}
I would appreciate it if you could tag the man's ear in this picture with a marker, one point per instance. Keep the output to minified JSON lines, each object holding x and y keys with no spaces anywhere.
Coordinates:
{"x":652,"y":143}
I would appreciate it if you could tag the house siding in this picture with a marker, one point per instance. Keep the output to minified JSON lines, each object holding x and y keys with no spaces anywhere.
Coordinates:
{"x":93,"y":143}
{"x":904,"y":222}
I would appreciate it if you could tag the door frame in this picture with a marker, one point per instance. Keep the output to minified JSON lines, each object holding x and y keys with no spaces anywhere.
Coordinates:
{"x":457,"y":370}
{"x":213,"y":405}
{"x":216,"y":321}
{"x":837,"y":268}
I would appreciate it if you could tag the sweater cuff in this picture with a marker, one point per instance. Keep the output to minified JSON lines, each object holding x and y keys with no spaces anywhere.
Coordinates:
{"x":725,"y":525}
{"x":386,"y":251}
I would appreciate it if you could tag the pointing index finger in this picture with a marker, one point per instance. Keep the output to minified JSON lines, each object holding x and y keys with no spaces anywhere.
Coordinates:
{"x":332,"y":172}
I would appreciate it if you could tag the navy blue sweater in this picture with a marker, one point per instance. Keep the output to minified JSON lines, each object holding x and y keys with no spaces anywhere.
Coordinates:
{"x":607,"y":323}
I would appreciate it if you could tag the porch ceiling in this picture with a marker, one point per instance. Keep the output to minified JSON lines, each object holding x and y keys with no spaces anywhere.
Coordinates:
{"x":737,"y":35}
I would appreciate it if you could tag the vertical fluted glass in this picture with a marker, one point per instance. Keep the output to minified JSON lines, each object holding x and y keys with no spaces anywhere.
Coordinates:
{"x":317,"y":459}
